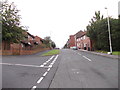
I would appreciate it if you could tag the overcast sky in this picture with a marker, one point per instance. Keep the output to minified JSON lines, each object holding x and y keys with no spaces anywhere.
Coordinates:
{"x":61,"y":18}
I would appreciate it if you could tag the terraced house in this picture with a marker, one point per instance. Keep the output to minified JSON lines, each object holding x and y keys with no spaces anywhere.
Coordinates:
{"x":80,"y":40}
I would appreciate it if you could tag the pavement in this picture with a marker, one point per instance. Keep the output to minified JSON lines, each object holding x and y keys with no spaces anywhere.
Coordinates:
{"x":102,"y":54}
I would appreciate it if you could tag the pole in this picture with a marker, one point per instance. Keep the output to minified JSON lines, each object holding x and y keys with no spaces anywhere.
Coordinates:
{"x":109,"y":32}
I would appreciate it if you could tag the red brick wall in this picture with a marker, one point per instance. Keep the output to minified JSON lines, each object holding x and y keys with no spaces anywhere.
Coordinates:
{"x":16,"y":49}
{"x":84,"y":43}
{"x":29,"y":52}
{"x":71,"y":41}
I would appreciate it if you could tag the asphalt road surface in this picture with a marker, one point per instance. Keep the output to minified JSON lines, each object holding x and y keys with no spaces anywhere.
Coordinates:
{"x":69,"y":69}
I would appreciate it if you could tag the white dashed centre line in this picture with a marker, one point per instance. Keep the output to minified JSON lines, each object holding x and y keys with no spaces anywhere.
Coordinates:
{"x":48,"y":69}
{"x":40,"y":80}
{"x":87,"y":58}
{"x":45,"y":74}
{"x":34,"y":87}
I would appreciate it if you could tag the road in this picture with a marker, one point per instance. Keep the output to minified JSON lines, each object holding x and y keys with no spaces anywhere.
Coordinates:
{"x":69,"y":69}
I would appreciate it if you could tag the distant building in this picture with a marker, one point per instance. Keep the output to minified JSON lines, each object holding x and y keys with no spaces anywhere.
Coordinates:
{"x":71,"y":41}
{"x":84,"y":42}
{"x":31,"y":41}
{"x":80,"y":40}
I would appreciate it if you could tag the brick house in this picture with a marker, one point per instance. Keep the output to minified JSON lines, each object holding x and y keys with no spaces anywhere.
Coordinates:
{"x":80,"y":40}
{"x":31,"y":41}
{"x":37,"y":40}
{"x":84,"y":42}
{"x":29,"y":45}
{"x":71,"y":41}
{"x":78,"y":36}
{"x":27,"y":42}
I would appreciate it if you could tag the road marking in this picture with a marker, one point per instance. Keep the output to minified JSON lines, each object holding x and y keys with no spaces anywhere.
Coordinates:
{"x":48,"y":69}
{"x":41,"y":65}
{"x":45,"y":74}
{"x":34,"y":87}
{"x":56,"y":57}
{"x":47,"y":61}
{"x":79,"y":53}
{"x":87,"y":58}
{"x":52,"y":63}
{"x":40,"y":80}
{"x":50,"y":66}
{"x":23,"y":65}
{"x":11,"y":64}
{"x":44,"y":63}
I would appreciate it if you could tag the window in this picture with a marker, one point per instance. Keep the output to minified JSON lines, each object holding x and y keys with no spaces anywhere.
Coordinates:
{"x":84,"y":37}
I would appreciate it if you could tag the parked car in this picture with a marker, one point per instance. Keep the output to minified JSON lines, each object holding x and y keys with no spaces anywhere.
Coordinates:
{"x":74,"y":48}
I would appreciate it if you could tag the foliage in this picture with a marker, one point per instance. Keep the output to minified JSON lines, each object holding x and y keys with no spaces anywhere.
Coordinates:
{"x":53,"y":44}
{"x":11,"y":29}
{"x":48,"y":42}
{"x":97,"y":30}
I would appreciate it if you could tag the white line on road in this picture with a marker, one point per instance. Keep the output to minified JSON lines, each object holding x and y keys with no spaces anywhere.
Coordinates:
{"x":47,"y":61}
{"x":11,"y":64}
{"x":79,"y":53}
{"x":41,"y":65}
{"x":34,"y":87}
{"x":45,"y":74}
{"x":51,"y":64}
{"x":44,"y":63}
{"x":40,"y":80}
{"x":48,"y":69}
{"x":87,"y":58}
{"x":23,"y":65}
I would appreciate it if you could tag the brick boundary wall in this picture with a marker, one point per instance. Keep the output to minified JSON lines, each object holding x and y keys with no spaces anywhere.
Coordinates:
{"x":22,"y":52}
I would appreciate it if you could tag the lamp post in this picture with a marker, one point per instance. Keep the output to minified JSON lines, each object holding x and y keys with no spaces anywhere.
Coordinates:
{"x":109,"y":32}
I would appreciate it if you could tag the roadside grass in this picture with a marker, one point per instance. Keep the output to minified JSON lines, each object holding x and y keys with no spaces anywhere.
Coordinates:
{"x":100,"y":51}
{"x":52,"y":52}
{"x":113,"y":53}
{"x":116,"y":53}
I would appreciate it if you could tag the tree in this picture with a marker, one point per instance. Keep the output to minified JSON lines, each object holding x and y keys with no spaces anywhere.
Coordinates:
{"x":12,"y":32}
{"x":92,"y":30}
{"x":48,"y":42}
{"x":97,"y":30}
{"x":53,"y":45}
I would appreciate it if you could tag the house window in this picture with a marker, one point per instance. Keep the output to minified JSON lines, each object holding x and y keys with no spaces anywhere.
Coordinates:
{"x":83,"y":37}
{"x":77,"y":39}
{"x":85,"y":44}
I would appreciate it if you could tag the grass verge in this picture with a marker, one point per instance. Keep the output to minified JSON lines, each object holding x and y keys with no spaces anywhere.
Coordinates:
{"x":100,"y":51}
{"x":52,"y":52}
{"x":116,"y":53}
{"x":113,"y":53}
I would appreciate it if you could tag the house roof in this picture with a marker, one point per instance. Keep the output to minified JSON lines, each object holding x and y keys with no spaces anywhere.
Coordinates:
{"x":79,"y":34}
{"x":31,"y":35}
{"x":84,"y":33}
